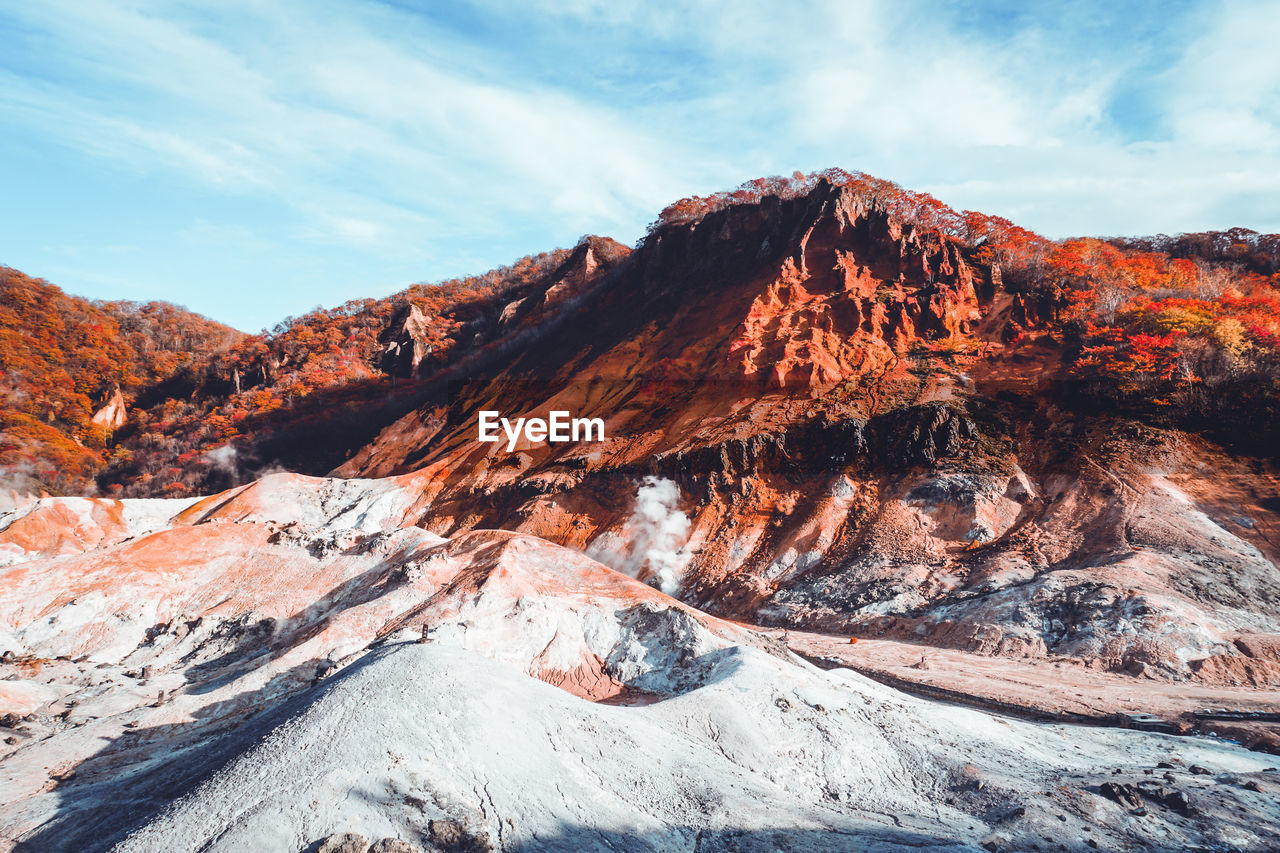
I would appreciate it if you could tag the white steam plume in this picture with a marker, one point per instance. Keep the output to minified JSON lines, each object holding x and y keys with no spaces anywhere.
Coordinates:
{"x":236,"y":465}
{"x":652,"y":539}
{"x":224,"y":459}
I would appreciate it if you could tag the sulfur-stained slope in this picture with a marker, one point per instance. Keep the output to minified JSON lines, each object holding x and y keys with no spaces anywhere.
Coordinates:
{"x":251,"y":674}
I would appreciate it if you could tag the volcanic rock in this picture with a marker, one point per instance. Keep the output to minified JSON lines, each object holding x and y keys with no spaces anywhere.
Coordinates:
{"x":113,"y":413}
{"x":392,"y":845}
{"x":856,"y":448}
{"x":405,"y":341}
{"x":346,"y":842}
{"x":560,"y":704}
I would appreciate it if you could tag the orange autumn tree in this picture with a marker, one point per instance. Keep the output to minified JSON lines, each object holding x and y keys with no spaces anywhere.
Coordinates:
{"x":62,"y":357}
{"x":1198,"y":339}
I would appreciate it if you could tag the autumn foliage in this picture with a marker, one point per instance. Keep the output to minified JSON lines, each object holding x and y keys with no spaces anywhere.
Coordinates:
{"x":1239,"y":248}
{"x":1190,"y":340}
{"x":61,"y":357}
{"x":306,"y":391}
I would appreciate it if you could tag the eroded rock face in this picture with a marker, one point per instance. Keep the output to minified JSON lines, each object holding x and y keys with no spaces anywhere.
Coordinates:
{"x":858,"y":445}
{"x":113,"y":413}
{"x":852,"y":298}
{"x":1120,"y":566}
{"x":405,"y":341}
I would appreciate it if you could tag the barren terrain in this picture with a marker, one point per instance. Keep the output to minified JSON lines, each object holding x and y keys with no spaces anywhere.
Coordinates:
{"x":287,"y":662}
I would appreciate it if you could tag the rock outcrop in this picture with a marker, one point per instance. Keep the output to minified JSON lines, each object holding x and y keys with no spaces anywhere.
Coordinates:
{"x":406,"y":341}
{"x":113,"y":413}
{"x":858,"y":445}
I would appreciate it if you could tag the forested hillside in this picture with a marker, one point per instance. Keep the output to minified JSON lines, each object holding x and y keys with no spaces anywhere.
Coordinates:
{"x":318,"y":386}
{"x":63,"y":359}
{"x":1178,"y":330}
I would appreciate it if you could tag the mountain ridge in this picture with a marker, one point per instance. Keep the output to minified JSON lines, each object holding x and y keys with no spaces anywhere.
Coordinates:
{"x":845,"y":425}
{"x":297,"y":377}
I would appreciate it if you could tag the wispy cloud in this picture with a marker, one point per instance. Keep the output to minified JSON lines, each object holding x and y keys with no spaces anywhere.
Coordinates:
{"x":370,"y":144}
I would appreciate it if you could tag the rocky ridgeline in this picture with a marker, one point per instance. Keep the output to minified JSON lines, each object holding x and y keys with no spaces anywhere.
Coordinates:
{"x":836,"y":287}
{"x":861,"y":443}
{"x":529,"y":314}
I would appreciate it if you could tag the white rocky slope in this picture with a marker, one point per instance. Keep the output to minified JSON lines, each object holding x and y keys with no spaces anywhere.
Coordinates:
{"x":764,"y":754}
{"x":246,"y":676}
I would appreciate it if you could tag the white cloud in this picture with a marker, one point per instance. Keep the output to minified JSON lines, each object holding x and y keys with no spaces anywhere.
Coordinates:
{"x":1225,"y":91}
{"x":405,"y":137}
{"x":340,"y":112}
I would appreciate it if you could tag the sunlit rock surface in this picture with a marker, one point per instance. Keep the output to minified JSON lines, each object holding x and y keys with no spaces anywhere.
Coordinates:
{"x":250,"y":671}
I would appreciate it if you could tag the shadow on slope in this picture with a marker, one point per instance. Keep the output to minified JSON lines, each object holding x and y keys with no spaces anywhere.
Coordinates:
{"x":134,"y":776}
{"x":575,"y":839}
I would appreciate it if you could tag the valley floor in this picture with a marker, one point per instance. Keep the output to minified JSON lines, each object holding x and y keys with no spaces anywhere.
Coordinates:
{"x":1060,"y":689}
{"x":293,"y":666}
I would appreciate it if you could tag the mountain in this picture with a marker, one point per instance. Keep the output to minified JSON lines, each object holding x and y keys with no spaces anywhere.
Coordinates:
{"x":854,"y":442}
{"x":878,"y":415}
{"x":887,"y":429}
{"x":69,"y":368}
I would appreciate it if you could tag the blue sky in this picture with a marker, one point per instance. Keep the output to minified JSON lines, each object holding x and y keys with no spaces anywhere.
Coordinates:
{"x":254,"y":160}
